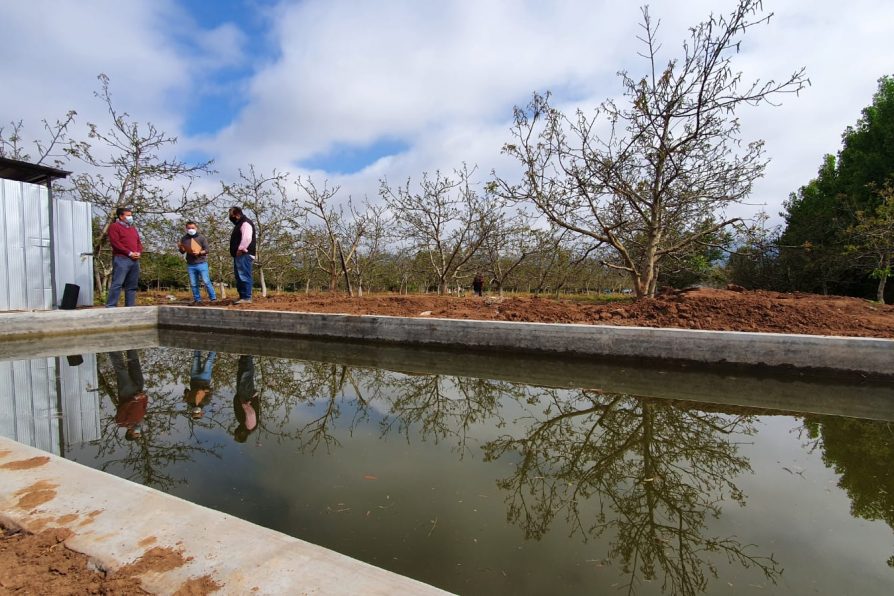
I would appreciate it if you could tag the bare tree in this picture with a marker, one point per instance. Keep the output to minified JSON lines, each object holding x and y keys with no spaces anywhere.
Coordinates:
{"x":339,"y":236}
{"x":638,"y":177}
{"x":127,"y":168}
{"x":509,"y":244}
{"x":367,"y":260}
{"x":445,"y":218}
{"x":13,"y":145}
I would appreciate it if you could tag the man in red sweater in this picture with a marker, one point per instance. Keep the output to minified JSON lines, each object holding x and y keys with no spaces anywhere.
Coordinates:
{"x":126,"y":251}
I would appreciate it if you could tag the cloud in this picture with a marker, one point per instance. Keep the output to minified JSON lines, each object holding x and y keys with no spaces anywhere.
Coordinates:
{"x":401,"y":86}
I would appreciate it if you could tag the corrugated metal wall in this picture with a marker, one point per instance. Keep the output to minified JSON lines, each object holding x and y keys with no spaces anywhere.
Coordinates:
{"x":31,"y":394}
{"x":79,"y":386}
{"x":72,"y":222}
{"x":27,"y":255}
{"x":28,"y":403}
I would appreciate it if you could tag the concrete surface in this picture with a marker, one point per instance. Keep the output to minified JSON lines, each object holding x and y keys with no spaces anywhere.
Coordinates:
{"x":47,"y":346}
{"x":115,"y":522}
{"x":32,"y":325}
{"x":862,"y":355}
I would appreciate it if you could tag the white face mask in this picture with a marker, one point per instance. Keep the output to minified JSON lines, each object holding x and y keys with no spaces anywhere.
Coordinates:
{"x":128,"y":219}
{"x":191,"y":231}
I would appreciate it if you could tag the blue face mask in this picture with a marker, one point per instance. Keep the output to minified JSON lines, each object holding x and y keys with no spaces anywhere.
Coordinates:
{"x":128,"y":219}
{"x":191,"y":231}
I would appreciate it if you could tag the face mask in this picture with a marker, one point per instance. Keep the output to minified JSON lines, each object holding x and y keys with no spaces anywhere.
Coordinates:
{"x":191,"y":231}
{"x":128,"y":219}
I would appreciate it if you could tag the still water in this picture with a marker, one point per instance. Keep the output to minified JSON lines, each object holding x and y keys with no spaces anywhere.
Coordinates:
{"x":483,"y":484}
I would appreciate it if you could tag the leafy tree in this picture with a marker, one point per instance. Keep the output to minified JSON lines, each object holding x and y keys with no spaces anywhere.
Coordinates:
{"x":874,"y":236}
{"x":817,"y":245}
{"x":861,"y":452}
{"x":641,"y":177}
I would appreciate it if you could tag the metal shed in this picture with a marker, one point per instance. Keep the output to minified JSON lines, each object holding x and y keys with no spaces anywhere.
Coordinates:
{"x":45,"y":242}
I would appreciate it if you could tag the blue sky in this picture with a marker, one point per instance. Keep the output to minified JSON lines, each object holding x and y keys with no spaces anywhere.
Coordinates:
{"x":354,"y":91}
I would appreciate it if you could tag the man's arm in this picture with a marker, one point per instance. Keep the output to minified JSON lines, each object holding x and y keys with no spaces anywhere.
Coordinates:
{"x":115,"y":239}
{"x":247,"y":235}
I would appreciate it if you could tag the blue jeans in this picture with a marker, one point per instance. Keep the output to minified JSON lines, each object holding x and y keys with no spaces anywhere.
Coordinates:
{"x":201,"y":371}
{"x":242,"y":265}
{"x":125,"y":274}
{"x":197,"y":272}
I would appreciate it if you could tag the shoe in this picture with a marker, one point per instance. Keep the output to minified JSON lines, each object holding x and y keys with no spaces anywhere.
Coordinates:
{"x":243,"y":301}
{"x":196,"y":303}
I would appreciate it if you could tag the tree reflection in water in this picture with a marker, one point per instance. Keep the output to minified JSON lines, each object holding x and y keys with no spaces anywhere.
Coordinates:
{"x":656,"y":470}
{"x":862,"y":452}
{"x":650,"y":472}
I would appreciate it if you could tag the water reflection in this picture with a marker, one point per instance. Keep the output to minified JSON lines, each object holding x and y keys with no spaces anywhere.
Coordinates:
{"x":149,"y":450}
{"x":640,"y":486}
{"x":198,"y":393}
{"x":657,"y":470}
{"x":861,"y":452}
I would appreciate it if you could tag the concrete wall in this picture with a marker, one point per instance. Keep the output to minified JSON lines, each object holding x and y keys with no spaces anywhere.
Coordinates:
{"x":866,"y":356}
{"x":862,"y":355}
{"x":33,"y":325}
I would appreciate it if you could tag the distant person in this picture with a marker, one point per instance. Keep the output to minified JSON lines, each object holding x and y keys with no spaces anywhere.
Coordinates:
{"x":478,"y":284}
{"x":243,"y":244}
{"x":246,"y":402}
{"x":126,"y":251}
{"x":195,"y":246}
{"x":131,"y":401}
{"x":198,"y":394}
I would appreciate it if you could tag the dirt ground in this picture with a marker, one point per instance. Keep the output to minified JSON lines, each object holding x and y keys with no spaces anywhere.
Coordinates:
{"x":41,"y":564}
{"x":722,"y":310}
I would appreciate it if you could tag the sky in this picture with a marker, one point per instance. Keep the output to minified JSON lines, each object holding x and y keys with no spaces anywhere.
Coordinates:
{"x":353,"y":92}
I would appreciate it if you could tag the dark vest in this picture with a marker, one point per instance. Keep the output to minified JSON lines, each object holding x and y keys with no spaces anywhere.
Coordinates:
{"x":236,"y":236}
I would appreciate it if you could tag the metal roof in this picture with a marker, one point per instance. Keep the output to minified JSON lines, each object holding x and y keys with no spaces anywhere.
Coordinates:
{"x":22,"y":171}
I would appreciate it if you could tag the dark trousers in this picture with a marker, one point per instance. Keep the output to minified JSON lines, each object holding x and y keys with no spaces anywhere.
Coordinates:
{"x":242,"y":266}
{"x":125,"y":274}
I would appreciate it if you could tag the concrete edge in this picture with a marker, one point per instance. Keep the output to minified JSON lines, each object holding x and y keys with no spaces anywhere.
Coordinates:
{"x":871,"y":356}
{"x":115,"y":522}
{"x":51,"y":323}
{"x":865,"y":356}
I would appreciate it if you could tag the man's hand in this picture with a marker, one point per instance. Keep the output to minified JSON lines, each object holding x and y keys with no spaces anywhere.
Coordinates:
{"x":240,"y":252}
{"x":134,"y":255}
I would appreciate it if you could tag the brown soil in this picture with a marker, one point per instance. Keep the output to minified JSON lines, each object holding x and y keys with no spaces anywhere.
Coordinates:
{"x":40,"y":563}
{"x":722,"y":310}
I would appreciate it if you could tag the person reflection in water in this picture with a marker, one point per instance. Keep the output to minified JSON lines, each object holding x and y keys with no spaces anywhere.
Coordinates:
{"x":132,"y":400}
{"x":246,"y":404}
{"x":198,"y":394}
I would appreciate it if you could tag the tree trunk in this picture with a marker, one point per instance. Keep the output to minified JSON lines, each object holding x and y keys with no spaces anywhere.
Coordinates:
{"x":263,"y":282}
